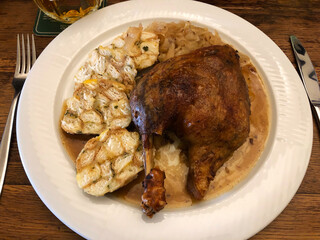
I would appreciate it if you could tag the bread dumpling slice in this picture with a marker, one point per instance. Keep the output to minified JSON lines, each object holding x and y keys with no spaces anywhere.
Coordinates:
{"x":97,"y":104}
{"x":109,"y":161}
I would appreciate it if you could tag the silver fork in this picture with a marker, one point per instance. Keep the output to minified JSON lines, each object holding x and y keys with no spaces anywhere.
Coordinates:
{"x":25,"y":60}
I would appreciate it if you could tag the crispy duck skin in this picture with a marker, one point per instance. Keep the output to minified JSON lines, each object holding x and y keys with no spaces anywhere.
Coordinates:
{"x":203,"y":97}
{"x":153,"y":198}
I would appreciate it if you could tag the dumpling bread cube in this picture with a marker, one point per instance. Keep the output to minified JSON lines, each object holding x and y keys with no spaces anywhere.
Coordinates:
{"x":104,"y":82}
{"x":97,"y":104}
{"x":109,"y":161}
{"x":119,"y":61}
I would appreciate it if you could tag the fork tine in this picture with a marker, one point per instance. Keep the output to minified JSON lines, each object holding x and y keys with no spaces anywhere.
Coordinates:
{"x":18,"y":60}
{"x":33,"y":49}
{"x":28,"y":55}
{"x":23,"y":66}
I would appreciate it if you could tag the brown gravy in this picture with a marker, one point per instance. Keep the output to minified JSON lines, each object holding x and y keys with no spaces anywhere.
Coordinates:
{"x":233,"y":171}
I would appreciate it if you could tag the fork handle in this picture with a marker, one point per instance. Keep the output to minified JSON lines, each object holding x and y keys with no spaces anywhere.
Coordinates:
{"x":5,"y":141}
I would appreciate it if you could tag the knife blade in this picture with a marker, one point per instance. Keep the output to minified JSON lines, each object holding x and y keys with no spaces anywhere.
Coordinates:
{"x":308,"y":76}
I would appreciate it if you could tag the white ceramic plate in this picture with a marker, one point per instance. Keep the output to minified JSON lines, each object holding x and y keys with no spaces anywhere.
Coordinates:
{"x":238,"y":214}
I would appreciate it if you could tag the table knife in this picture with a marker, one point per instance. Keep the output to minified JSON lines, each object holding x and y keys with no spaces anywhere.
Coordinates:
{"x":308,"y":76}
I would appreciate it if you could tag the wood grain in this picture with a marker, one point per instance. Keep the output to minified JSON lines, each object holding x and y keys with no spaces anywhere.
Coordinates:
{"x":23,"y":215}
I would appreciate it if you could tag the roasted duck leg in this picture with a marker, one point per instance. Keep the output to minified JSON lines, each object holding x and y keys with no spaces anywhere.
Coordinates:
{"x":153,"y":198}
{"x":203,"y":97}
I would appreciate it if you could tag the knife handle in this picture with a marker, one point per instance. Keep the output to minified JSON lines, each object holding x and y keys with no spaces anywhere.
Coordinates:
{"x":316,"y":114}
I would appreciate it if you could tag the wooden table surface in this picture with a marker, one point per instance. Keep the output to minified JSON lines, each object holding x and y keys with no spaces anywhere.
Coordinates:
{"x":23,"y":215}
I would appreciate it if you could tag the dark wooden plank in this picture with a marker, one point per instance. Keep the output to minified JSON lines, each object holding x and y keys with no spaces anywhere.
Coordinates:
{"x":24,"y":216}
{"x":300,"y":220}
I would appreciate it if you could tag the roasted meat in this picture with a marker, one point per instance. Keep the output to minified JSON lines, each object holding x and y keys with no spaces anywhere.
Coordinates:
{"x":202,"y":97}
{"x":153,"y":198}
